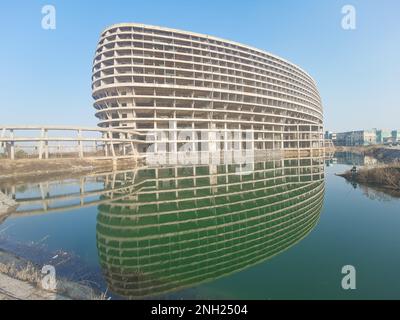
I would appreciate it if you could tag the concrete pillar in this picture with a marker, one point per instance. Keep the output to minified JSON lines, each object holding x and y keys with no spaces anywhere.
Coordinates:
{"x":12,"y":146}
{"x":46,"y":144}
{"x":80,"y":146}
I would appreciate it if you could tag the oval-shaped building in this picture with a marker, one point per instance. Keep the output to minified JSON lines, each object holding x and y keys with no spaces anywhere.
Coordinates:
{"x":189,"y":88}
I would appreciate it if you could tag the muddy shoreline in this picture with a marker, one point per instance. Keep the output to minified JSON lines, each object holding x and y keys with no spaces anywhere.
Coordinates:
{"x":34,"y":170}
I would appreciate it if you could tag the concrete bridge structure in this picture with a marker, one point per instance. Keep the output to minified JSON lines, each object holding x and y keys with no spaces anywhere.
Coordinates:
{"x":46,"y":142}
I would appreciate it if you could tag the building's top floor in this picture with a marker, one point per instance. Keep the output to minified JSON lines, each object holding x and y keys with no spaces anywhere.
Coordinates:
{"x":192,"y":36}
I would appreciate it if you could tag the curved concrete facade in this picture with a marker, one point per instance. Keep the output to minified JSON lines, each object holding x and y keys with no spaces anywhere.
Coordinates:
{"x":163,"y":81}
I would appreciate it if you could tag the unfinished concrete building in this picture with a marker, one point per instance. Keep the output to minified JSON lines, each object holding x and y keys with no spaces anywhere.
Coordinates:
{"x":186,"y":89}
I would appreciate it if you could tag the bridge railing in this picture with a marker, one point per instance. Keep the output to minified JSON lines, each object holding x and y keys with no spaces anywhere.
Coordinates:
{"x":45,"y":142}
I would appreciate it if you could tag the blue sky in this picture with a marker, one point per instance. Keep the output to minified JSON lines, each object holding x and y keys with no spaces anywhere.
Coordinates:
{"x":45,"y":75}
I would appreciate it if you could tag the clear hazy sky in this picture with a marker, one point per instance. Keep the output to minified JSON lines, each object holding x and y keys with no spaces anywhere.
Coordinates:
{"x":46,"y":74}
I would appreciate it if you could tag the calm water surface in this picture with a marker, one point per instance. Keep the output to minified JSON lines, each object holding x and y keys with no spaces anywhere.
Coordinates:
{"x":282,"y":231}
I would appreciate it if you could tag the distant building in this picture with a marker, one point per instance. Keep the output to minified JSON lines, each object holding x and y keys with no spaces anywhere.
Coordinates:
{"x":383,"y":136}
{"x":396,"y":135}
{"x":355,"y":138}
{"x":329,"y":135}
{"x":364,"y":137}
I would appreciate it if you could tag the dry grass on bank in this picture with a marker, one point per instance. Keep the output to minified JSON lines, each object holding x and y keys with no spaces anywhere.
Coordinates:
{"x":28,"y":272}
{"x":383,"y":176}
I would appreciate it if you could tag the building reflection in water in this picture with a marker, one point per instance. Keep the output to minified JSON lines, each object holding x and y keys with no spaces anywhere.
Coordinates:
{"x":190,"y":225}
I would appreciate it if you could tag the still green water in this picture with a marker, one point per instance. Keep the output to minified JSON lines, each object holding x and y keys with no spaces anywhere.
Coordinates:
{"x":281,"y":229}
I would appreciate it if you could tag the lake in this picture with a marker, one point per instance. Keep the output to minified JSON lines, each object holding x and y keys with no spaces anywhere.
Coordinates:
{"x":278,"y":229}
